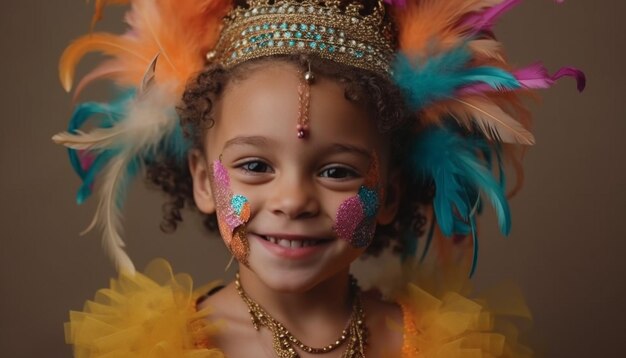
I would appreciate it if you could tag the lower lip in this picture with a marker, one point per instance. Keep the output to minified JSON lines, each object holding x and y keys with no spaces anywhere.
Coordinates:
{"x":292,"y":253}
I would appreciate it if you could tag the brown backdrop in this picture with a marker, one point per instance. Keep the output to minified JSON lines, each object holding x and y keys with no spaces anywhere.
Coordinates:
{"x":567,"y":245}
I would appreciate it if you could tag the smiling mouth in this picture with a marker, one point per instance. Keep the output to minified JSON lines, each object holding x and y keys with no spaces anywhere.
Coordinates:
{"x":294,"y":244}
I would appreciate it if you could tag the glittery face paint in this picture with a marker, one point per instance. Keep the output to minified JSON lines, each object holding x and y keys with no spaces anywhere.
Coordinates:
{"x":233,"y":212}
{"x":356,"y":217}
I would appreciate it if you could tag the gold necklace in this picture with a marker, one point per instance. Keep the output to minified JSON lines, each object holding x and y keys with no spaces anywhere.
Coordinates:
{"x":284,"y":341}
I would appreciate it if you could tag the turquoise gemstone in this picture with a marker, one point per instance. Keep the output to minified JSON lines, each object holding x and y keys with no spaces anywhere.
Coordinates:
{"x":266,"y":26}
{"x":331,"y":30}
{"x":322,"y":46}
{"x":318,"y":37}
{"x":313,"y":44}
{"x":292,"y":43}
{"x":304,"y":27}
{"x":287,"y":34}
{"x":331,"y":48}
{"x":358,"y":54}
{"x":283,"y":26}
{"x":298,"y":34}
{"x":312,"y":27}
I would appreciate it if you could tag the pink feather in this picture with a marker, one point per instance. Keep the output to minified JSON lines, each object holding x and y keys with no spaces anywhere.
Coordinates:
{"x":486,"y":19}
{"x":397,"y":3}
{"x":535,"y":76}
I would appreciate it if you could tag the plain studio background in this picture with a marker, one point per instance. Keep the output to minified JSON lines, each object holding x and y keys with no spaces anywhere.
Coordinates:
{"x":566,"y":249}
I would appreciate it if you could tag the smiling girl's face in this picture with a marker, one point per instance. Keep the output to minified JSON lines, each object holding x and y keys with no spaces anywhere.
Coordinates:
{"x":288,"y":191}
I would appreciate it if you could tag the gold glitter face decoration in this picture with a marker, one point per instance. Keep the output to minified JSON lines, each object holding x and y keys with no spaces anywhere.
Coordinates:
{"x":233,"y":212}
{"x":356,"y":217}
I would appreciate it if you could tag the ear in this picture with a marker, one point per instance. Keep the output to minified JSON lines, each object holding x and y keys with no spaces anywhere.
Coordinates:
{"x":391,"y":200}
{"x":201,"y":175}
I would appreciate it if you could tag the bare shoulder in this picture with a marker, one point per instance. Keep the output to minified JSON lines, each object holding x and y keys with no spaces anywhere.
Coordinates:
{"x":384,"y":321}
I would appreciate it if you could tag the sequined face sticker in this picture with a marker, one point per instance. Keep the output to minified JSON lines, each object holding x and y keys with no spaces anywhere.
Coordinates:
{"x":233,"y":212}
{"x":356,"y":217}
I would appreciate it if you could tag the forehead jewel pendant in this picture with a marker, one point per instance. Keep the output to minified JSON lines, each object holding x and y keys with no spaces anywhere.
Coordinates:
{"x":304,"y":97}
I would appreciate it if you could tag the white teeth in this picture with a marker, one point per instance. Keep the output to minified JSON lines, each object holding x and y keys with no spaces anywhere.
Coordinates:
{"x":284,"y":243}
{"x":294,"y":244}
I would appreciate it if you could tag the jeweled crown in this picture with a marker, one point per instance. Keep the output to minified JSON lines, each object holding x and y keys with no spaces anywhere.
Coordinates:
{"x":328,"y":29}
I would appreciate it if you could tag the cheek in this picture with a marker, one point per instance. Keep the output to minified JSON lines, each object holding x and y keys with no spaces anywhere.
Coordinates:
{"x":356,"y":217}
{"x":233,"y":212}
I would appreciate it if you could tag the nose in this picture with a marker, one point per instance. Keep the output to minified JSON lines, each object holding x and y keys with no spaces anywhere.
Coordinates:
{"x":294,"y":197}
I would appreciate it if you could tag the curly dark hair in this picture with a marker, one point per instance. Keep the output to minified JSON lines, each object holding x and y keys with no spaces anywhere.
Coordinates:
{"x":380,"y":97}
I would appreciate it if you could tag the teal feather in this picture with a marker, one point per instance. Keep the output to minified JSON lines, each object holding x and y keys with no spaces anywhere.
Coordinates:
{"x":475,"y":246}
{"x":460,"y":174}
{"x":89,"y":177}
{"x":429,"y":239}
{"x":442,"y":76}
{"x":105,"y":115}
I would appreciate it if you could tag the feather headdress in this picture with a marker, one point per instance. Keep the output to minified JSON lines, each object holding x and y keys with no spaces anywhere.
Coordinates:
{"x":163,"y":48}
{"x":454,"y":74}
{"x":451,"y":69}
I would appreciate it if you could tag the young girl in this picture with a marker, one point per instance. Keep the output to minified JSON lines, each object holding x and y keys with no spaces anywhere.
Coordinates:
{"x":310,"y":134}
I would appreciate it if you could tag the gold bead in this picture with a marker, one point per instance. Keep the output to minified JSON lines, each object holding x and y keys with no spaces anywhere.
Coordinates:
{"x":309,"y":77}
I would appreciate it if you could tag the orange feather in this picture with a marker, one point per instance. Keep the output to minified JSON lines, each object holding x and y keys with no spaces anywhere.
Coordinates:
{"x":424,"y":24}
{"x":181,"y":31}
{"x":99,"y":7}
{"x":106,"y":43}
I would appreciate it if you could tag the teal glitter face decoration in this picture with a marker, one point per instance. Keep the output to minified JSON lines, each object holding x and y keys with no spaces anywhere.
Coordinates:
{"x":233,"y":212}
{"x":356,"y":217}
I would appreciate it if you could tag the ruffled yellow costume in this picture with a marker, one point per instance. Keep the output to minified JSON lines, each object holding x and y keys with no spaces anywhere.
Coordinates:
{"x":154,"y":315}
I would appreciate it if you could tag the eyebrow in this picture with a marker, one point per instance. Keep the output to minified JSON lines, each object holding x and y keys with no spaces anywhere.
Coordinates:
{"x":256,"y":141}
{"x":347,"y":148}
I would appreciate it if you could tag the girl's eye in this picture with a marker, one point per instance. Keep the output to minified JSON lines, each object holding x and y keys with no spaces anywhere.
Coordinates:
{"x":338,"y":173}
{"x":255,"y":167}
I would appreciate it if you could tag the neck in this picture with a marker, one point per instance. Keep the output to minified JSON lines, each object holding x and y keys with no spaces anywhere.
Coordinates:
{"x":325,"y":306}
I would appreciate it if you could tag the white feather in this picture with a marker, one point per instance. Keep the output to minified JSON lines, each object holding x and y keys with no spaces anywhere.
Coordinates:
{"x":493,"y":122}
{"x":490,"y":49}
{"x":150,"y":118}
{"x":108,"y":216}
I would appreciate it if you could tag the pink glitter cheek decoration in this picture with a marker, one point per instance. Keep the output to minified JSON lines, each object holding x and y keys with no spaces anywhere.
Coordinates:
{"x":356,"y":217}
{"x":231,"y":220}
{"x":349,"y":215}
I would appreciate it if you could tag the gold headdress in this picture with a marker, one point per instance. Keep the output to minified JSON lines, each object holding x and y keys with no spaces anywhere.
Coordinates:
{"x":313,"y":26}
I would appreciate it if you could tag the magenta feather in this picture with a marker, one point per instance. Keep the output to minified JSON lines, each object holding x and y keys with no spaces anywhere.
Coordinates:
{"x":578,"y":75}
{"x":486,"y":19}
{"x":398,"y":3}
{"x":535,"y":76}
